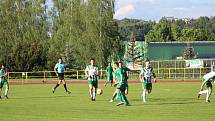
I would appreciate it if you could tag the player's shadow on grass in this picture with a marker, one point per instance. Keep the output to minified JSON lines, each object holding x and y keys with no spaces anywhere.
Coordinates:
{"x":169,"y":101}
{"x":174,"y":103}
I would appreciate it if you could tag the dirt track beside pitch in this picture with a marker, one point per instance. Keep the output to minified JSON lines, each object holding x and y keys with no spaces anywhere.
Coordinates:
{"x":100,"y":82}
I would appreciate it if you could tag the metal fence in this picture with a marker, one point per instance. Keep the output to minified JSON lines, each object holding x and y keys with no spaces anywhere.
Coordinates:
{"x":47,"y":76}
{"x":171,"y":70}
{"x":178,"y":63}
{"x":174,"y":73}
{"x":161,"y":73}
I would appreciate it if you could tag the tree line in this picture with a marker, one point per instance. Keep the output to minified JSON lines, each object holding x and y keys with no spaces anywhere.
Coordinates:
{"x":74,"y":30}
{"x":33,"y":38}
{"x":170,"y":29}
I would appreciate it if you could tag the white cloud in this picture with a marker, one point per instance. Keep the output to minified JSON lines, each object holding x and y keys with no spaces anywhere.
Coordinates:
{"x":149,"y":1}
{"x":124,"y":11}
{"x":180,"y":8}
{"x":156,"y":9}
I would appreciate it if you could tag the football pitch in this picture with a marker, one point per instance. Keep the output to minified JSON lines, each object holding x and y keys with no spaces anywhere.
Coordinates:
{"x":168,"y":102}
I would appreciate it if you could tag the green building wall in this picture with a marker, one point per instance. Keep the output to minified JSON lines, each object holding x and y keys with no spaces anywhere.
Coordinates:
{"x":171,"y":50}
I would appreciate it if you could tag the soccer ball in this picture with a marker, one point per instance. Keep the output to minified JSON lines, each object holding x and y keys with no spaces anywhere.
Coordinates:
{"x":99,"y":91}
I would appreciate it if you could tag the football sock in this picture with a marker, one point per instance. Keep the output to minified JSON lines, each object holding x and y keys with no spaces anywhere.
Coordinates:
{"x":114,"y":96}
{"x":125,"y":99}
{"x":144,"y":96}
{"x":56,"y":86}
{"x":65,"y":87}
{"x":94,"y":95}
{"x":6,"y":90}
{"x":120,"y":97}
{"x":91,"y":94}
{"x":208,"y":96}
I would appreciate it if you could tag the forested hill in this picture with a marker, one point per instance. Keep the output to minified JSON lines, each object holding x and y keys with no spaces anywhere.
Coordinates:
{"x":169,"y":29}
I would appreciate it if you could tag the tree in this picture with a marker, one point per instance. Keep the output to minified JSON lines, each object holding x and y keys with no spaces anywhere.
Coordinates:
{"x":22,"y":27}
{"x":160,"y":32}
{"x":139,"y":27}
{"x":134,"y":53}
{"x":85,"y":30}
{"x":176,"y":31}
{"x":189,"y":53}
{"x":192,"y":34}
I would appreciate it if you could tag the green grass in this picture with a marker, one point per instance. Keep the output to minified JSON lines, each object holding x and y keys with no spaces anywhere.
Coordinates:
{"x":168,"y":102}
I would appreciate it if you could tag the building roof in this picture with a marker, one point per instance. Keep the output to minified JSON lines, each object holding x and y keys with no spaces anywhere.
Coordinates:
{"x":196,"y":43}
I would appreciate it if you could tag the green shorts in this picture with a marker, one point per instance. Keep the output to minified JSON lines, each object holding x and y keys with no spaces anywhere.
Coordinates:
{"x":147,"y":86}
{"x":94,"y":83}
{"x":3,"y":82}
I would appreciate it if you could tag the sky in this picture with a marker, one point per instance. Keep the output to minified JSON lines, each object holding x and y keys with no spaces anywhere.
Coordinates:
{"x":156,"y":9}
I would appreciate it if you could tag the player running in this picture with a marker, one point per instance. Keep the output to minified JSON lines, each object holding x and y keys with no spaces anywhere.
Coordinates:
{"x":121,"y":85}
{"x":125,"y":70}
{"x":109,"y":71}
{"x":59,"y":71}
{"x":115,"y":85}
{"x":207,"y":80}
{"x":92,"y":73}
{"x":146,"y":77}
{"x":3,"y":81}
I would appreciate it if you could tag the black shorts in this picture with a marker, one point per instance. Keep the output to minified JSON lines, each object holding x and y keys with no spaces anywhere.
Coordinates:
{"x":61,"y":76}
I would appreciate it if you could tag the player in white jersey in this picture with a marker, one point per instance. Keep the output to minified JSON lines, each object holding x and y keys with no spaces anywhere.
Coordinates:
{"x":207,"y":80}
{"x":92,"y":73}
{"x":145,"y":76}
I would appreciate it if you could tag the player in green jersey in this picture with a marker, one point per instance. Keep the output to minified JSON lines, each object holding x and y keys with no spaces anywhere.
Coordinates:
{"x":146,"y":75}
{"x":109,"y":71}
{"x":92,"y":73}
{"x":121,"y":85}
{"x":126,"y":70}
{"x":3,"y":81}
